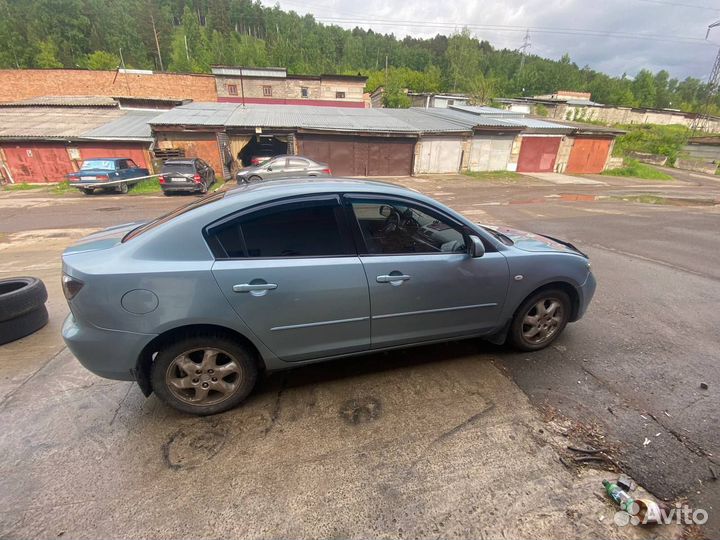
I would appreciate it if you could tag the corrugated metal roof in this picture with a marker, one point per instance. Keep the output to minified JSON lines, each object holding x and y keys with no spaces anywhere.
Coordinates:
{"x":307,"y":117}
{"x":64,"y":101}
{"x":534,"y":123}
{"x":485,"y":111}
{"x":53,"y":122}
{"x":132,"y":126}
{"x":468,"y":120}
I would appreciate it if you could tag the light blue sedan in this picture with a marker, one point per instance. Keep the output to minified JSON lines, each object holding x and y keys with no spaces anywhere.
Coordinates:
{"x":195,"y":304}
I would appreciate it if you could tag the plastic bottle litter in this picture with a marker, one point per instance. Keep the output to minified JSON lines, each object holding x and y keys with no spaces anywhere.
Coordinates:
{"x":618,"y":495}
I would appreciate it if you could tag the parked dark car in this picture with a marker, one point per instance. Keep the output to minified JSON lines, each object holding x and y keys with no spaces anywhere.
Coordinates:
{"x":188,"y":175}
{"x":107,"y":173}
{"x":283,"y":167}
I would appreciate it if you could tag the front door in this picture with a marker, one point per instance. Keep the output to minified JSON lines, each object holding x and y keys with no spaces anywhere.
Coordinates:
{"x":291,"y":273}
{"x":423,"y":284}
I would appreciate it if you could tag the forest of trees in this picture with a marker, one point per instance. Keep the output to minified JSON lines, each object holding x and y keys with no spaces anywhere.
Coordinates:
{"x":192,"y":35}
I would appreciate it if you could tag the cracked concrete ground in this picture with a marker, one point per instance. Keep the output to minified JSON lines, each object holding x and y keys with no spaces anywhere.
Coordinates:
{"x":459,"y":440}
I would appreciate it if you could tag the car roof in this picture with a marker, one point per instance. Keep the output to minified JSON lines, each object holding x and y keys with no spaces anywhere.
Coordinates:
{"x":186,"y":161}
{"x":297,"y":186}
{"x":105,"y":158}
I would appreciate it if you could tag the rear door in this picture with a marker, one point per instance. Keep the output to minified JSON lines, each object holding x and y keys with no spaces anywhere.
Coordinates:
{"x":291,"y":273}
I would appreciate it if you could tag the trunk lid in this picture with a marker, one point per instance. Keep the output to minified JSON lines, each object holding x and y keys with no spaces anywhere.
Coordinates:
{"x":104,"y":239}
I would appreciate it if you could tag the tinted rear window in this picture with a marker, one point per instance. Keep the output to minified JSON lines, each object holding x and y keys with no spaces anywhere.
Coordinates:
{"x":172,"y":215}
{"x":179,"y":167}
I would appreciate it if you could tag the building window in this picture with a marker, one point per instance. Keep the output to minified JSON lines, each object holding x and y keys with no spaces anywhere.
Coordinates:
{"x":304,"y":91}
{"x":339,"y":95}
{"x":267,"y":91}
{"x":232,"y":89}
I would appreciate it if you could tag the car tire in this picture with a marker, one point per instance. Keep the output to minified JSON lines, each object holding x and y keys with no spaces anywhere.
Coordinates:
{"x":123,"y":188}
{"x":204,"y":385}
{"x":253,"y":178}
{"x":20,"y":295}
{"x":24,"y":325}
{"x":203,"y":188}
{"x":88,"y":191}
{"x":540,"y":320}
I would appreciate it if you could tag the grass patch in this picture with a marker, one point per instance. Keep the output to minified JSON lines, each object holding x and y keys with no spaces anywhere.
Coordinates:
{"x":21,"y":187}
{"x":494,"y":175}
{"x":670,"y":201}
{"x":63,"y":188}
{"x":146,"y":187}
{"x":635,"y":169}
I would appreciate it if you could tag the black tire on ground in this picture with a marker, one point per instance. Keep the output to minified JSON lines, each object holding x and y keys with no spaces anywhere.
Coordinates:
{"x":516,"y":335}
{"x":253,"y":178}
{"x":164,"y":365}
{"x":123,"y":188}
{"x":20,"y":295}
{"x":24,"y":325}
{"x":203,"y":188}
{"x":167,"y":193}
{"x":88,"y":191}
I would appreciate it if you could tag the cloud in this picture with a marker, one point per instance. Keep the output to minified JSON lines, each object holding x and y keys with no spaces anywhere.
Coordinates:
{"x":561,"y":26}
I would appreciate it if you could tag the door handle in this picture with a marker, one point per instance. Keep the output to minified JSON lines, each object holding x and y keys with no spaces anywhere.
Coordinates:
{"x":250,"y":287}
{"x":391,"y":278}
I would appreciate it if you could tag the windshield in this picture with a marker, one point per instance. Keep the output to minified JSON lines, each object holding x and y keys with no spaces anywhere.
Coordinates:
{"x":105,"y":164}
{"x":500,"y":236}
{"x":172,"y":215}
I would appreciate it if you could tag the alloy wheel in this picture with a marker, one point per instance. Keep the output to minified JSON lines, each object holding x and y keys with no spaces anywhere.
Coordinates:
{"x":543,"y":320}
{"x":204,"y":376}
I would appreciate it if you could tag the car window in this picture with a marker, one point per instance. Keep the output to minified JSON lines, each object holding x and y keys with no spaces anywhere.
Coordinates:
{"x":297,"y":163}
{"x":122,"y":164}
{"x":396,"y":227}
{"x":178,"y":167}
{"x":276,"y":163}
{"x":102,"y":164}
{"x":297,"y":229}
{"x":131,"y":164}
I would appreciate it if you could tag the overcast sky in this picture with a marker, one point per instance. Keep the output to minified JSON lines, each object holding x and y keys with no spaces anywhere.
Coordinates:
{"x":674,"y":20}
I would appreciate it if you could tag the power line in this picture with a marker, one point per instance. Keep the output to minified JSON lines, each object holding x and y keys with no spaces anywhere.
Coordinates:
{"x":692,"y":6}
{"x":513,"y":28}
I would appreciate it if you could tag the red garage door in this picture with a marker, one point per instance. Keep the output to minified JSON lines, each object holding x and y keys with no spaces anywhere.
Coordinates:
{"x":360,"y":156}
{"x":134,"y":152}
{"x":37,"y":162}
{"x":538,"y":154}
{"x":588,"y":156}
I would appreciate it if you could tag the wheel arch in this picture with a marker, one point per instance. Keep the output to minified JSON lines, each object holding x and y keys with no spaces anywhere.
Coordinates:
{"x":566,"y":287}
{"x":147,"y":355}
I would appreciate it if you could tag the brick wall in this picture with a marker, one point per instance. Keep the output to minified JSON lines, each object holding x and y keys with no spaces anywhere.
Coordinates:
{"x":202,"y":145}
{"x":19,"y":84}
{"x":289,"y":88}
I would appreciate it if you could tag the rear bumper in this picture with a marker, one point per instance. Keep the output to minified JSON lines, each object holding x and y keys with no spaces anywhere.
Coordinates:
{"x":585,"y":294}
{"x":111,"y":354}
{"x":181,"y":187}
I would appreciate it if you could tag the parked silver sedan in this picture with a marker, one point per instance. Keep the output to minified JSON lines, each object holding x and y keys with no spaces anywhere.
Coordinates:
{"x":282,"y":167}
{"x":195,"y":304}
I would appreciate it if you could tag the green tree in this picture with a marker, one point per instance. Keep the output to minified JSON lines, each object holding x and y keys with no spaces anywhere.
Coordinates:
{"x":643,"y":88}
{"x":46,"y":56}
{"x":463,"y":57}
{"x":101,"y":60}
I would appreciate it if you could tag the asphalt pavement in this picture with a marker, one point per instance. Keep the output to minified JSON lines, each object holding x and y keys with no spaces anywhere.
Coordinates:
{"x":447,"y":436}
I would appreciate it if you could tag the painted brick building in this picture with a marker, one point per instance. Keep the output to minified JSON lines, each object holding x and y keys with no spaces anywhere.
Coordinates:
{"x":22,"y":84}
{"x":274,"y":86}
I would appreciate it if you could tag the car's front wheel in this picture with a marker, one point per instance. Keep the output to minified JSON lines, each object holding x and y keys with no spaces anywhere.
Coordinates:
{"x":540,"y":320}
{"x":204,"y":374}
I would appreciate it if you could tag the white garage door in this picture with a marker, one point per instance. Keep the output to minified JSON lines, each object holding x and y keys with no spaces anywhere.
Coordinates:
{"x":438,"y":155}
{"x":490,"y":153}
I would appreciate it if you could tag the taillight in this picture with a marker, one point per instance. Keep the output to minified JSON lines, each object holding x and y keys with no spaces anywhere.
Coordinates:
{"x":161,"y":178}
{"x":71,"y":286}
{"x":197,"y":178}
{"x":327,"y":171}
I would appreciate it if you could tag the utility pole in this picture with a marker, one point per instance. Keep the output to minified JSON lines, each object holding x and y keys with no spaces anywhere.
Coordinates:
{"x":122,"y":63}
{"x":157,"y":41}
{"x":523,"y":50}
{"x":702,"y":119}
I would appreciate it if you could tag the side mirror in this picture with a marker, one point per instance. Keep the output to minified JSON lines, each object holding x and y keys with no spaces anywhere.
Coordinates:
{"x":476,"y":247}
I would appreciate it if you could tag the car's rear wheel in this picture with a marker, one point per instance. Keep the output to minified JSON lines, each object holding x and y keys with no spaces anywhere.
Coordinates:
{"x":123,"y":188}
{"x":88,"y":191}
{"x":540,"y":320}
{"x":204,"y":374}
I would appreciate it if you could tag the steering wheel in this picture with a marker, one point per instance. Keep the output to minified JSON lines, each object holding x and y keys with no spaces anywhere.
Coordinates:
{"x":393,"y":222}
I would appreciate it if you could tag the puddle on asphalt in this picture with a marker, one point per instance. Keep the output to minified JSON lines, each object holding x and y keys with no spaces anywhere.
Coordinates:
{"x":562,"y":197}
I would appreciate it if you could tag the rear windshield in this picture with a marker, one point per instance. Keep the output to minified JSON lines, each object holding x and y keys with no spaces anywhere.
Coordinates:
{"x":98,"y":164}
{"x":179,"y":167}
{"x":172,"y":215}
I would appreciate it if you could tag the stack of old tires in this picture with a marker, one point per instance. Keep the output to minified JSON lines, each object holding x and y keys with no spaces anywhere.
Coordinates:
{"x":22,"y":307}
